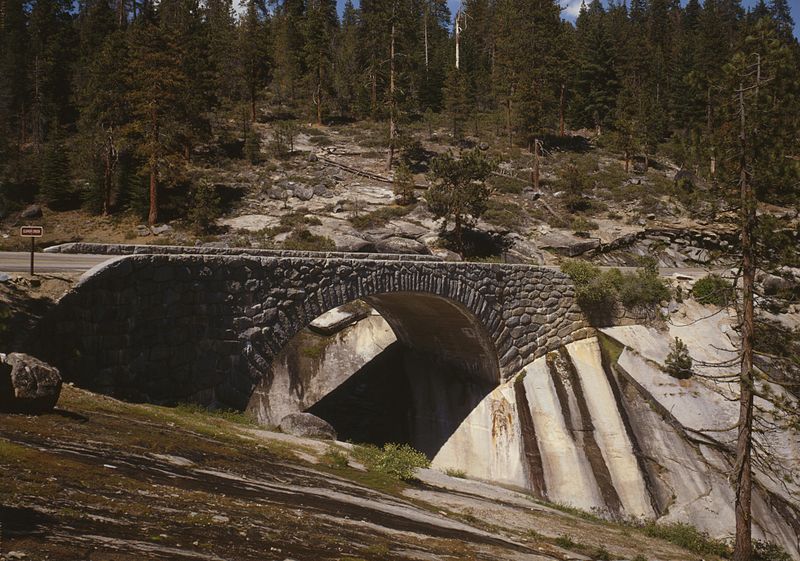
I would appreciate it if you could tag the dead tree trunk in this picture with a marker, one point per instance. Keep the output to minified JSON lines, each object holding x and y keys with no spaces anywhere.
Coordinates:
{"x":743,"y":468}
{"x":392,"y":124}
{"x":535,"y":170}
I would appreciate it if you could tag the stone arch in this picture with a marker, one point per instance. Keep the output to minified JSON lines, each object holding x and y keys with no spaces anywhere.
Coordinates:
{"x":205,"y":327}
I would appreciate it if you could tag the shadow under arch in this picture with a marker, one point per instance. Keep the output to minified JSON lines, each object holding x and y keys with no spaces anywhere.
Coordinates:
{"x":417,"y":390}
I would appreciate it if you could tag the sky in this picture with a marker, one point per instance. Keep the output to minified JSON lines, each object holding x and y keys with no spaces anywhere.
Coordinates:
{"x":571,"y":8}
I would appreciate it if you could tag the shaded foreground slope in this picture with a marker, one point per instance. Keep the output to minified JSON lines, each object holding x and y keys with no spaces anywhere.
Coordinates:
{"x":102,"y":479}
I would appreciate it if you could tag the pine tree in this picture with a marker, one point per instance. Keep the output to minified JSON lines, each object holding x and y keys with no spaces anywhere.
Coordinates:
{"x":53,"y":47}
{"x":346,"y":65}
{"x":55,"y":174}
{"x":288,"y":49}
{"x":320,"y":30}
{"x":14,"y":92}
{"x":155,"y":84}
{"x":220,"y":34}
{"x":253,"y":60}
{"x":782,"y":15}
{"x":103,"y":114}
{"x":456,"y":100}
{"x":596,"y":81}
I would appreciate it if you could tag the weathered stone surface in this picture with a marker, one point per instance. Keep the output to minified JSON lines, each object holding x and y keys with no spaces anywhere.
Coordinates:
{"x":401,"y":245}
{"x":567,"y":245}
{"x":27,"y":385}
{"x":303,"y":193}
{"x":307,"y":425}
{"x":32,"y":211}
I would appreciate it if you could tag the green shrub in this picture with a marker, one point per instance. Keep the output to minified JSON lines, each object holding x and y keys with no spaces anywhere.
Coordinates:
{"x":303,"y":240}
{"x":380,"y":216}
{"x":205,"y":208}
{"x":581,"y":224}
{"x":252,"y":147}
{"x":403,"y":185}
{"x":642,"y":289}
{"x":678,"y":363}
{"x":459,"y":473}
{"x":713,"y":289}
{"x":335,"y":458}
{"x":766,"y":551}
{"x":687,"y":537}
{"x":598,"y":293}
{"x":395,"y":460}
{"x":566,"y":542}
{"x":506,"y":215}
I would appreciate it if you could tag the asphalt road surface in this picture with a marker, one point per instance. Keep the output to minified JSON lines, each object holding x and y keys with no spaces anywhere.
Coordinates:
{"x":19,"y":262}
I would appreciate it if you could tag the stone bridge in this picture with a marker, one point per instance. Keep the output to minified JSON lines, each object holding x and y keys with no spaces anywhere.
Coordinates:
{"x":170,"y":324}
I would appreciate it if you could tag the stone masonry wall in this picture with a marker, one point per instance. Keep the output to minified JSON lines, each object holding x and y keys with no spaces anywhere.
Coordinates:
{"x":205,"y":327}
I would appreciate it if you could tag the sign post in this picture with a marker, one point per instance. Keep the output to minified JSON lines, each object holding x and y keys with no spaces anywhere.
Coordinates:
{"x":31,"y":232}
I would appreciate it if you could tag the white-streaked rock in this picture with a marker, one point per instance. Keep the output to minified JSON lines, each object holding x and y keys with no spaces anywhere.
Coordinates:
{"x":567,"y":473}
{"x":609,"y":429}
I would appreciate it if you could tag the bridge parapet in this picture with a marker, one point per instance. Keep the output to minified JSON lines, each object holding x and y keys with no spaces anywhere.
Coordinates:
{"x":132,"y":249}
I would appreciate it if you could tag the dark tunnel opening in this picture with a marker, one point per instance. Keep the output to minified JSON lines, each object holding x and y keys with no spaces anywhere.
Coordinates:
{"x":402,"y":396}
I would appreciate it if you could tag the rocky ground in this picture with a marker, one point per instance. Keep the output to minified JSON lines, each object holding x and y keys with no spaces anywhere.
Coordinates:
{"x":334,"y":192}
{"x":103,"y":479}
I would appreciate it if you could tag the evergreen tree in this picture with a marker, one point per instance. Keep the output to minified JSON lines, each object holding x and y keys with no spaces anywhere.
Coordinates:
{"x":288,"y":49}
{"x":155,"y":85}
{"x":14,"y":88}
{"x":346,"y":65}
{"x":53,"y":47}
{"x":596,"y":81}
{"x":55,"y":173}
{"x":456,"y":100}
{"x":103,"y":114}
{"x":782,"y":15}
{"x":320,"y":30}
{"x":220,"y":35}
{"x":254,"y":61}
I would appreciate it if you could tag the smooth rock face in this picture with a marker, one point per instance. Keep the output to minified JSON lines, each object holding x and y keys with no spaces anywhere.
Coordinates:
{"x":27,"y":385}
{"x":627,"y":441}
{"x":401,"y":245}
{"x":567,"y":245}
{"x":32,"y":211}
{"x":307,"y":425}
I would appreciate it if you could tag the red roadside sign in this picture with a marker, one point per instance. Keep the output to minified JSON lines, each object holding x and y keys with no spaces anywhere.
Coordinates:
{"x":31,"y":231}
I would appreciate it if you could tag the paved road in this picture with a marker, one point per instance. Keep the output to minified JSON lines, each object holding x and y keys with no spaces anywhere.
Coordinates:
{"x":19,"y":262}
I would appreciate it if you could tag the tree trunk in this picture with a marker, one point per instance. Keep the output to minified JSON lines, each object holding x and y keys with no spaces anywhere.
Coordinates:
{"x":392,"y":125}
{"x":373,"y":92}
{"x":561,"y":112}
{"x":508,"y":124}
{"x":743,"y":469}
{"x":535,"y":171}
{"x":425,"y":32}
{"x":107,"y":182}
{"x":152,"y":216}
{"x":319,"y":91}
